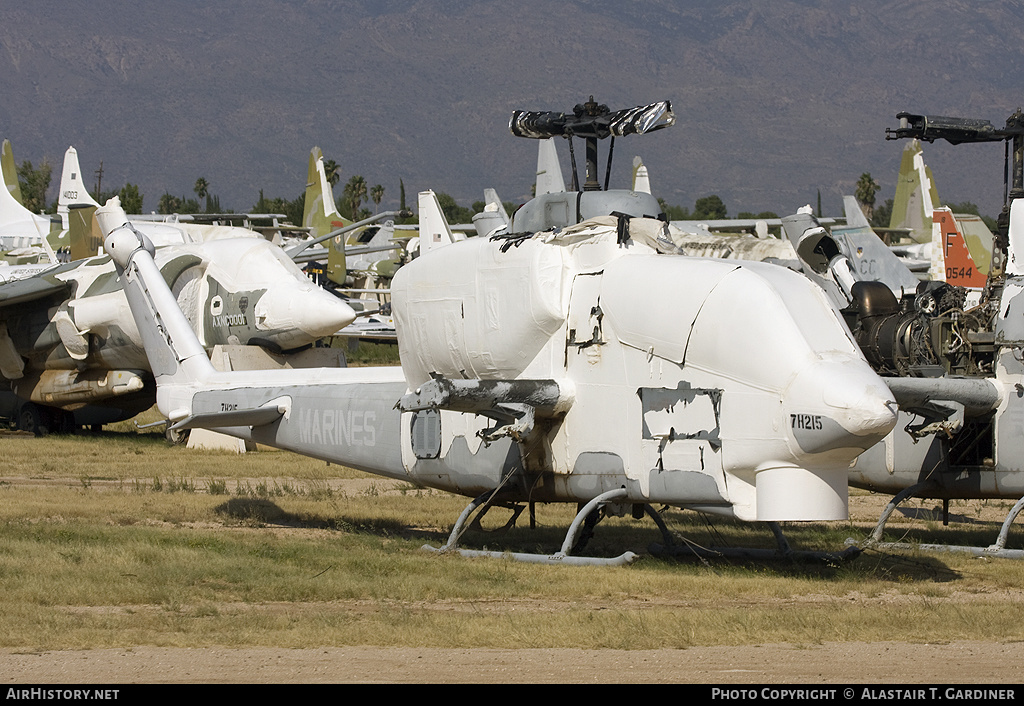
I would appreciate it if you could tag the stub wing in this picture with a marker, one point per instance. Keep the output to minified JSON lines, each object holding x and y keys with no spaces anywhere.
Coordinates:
{"x":252,"y":417}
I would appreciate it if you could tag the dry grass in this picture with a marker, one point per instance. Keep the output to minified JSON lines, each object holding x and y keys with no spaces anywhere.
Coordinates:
{"x":118,"y":539}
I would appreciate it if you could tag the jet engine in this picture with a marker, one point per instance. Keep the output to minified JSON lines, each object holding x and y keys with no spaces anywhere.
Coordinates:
{"x":928,"y":335}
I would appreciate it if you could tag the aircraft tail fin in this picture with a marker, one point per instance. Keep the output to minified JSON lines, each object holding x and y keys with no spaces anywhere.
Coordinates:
{"x":549,"y":171}
{"x":491,"y":198}
{"x":10,"y":171}
{"x":952,"y":261}
{"x":320,"y":215}
{"x":916,"y":195}
{"x":870,"y":257}
{"x":641,"y":179}
{"x":19,"y":227}
{"x":493,"y":217}
{"x":83,"y":236}
{"x":854,"y":213}
{"x":178,"y":361}
{"x":434,"y":230}
{"x":72,"y":189}
{"x":319,"y":212}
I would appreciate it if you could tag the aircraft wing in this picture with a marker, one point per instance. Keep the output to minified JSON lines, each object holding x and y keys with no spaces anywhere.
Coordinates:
{"x":372,"y":328}
{"x":464,"y":227}
{"x":284,"y":229}
{"x":251,"y":417}
{"x":311,"y":254}
{"x":729,"y":225}
{"x":977,"y":394}
{"x":33,"y":288}
{"x":898,"y":233}
{"x":915,"y":257}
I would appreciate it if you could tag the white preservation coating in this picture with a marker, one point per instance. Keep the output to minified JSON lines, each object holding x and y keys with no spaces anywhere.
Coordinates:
{"x":741,"y":373}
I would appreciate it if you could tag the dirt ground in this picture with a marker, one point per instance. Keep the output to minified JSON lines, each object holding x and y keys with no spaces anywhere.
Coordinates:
{"x":897,"y":663}
{"x":830,"y":663}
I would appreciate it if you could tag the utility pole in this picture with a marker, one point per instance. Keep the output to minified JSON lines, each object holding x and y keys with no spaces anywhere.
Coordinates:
{"x":99,"y":180}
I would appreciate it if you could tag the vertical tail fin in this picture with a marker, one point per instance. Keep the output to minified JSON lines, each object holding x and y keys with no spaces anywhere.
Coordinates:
{"x":952,"y":261}
{"x":320,"y":214}
{"x":549,"y":171}
{"x":872,"y":259}
{"x":10,"y":171}
{"x":641,"y":179}
{"x":19,"y":227}
{"x":493,"y":217}
{"x":434,"y":230}
{"x":83,"y":235}
{"x":72,"y":190}
{"x":916,"y":195}
{"x":854,"y":213}
{"x":491,"y":199}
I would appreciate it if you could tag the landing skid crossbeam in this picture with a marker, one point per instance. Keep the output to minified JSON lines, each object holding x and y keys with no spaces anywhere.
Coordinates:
{"x":563,"y":557}
{"x":998,"y":549}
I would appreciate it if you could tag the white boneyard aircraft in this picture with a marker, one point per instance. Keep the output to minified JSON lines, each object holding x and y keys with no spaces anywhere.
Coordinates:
{"x":74,"y":202}
{"x":19,"y":227}
{"x":956,"y":369}
{"x":70,"y":349}
{"x":835,"y":258}
{"x":576,"y":365}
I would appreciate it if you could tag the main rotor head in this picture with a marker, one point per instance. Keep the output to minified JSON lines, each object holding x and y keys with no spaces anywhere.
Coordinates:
{"x":592,"y":121}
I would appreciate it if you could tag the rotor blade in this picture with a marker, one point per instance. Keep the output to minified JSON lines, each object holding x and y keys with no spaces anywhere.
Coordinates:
{"x":631,"y":121}
{"x":642,"y":119}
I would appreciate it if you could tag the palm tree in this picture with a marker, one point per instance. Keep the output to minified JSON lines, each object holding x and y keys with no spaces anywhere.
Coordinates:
{"x":169,"y":204}
{"x":376,"y":194}
{"x":865,"y":194}
{"x":331,"y":172}
{"x":202,"y":188}
{"x":355,"y":192}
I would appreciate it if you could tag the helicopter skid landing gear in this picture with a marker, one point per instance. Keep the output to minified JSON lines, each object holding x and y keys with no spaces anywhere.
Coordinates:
{"x":562,"y":557}
{"x":995,"y":550}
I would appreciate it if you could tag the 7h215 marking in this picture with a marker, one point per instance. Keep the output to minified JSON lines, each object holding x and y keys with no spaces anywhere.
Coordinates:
{"x":805,"y":421}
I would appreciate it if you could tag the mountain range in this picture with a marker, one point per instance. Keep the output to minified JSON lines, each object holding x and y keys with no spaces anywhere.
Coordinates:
{"x":776,"y":101}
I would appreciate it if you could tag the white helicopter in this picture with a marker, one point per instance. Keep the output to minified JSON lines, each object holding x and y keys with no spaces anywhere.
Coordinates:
{"x":956,"y":368}
{"x":588,"y":364}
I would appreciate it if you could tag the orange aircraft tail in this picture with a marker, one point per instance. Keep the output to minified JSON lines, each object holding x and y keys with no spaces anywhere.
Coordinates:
{"x":951,"y":260}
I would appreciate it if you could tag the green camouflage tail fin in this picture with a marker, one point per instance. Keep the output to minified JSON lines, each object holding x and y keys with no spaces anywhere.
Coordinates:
{"x":916,"y":195}
{"x":10,"y":171}
{"x":321,"y":215}
{"x":84,"y":238}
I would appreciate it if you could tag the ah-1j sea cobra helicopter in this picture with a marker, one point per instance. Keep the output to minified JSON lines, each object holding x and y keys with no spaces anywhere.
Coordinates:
{"x":588,"y":363}
{"x":956,"y":369}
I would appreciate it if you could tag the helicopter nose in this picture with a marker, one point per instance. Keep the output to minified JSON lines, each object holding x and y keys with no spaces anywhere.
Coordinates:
{"x":836,"y":409}
{"x":309,"y":312}
{"x":839,"y":404}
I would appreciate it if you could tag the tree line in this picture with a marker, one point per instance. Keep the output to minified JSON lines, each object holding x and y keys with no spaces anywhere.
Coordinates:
{"x":34,"y":182}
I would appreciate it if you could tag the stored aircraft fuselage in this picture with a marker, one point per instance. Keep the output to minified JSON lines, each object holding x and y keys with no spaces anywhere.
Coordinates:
{"x":557,"y":366}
